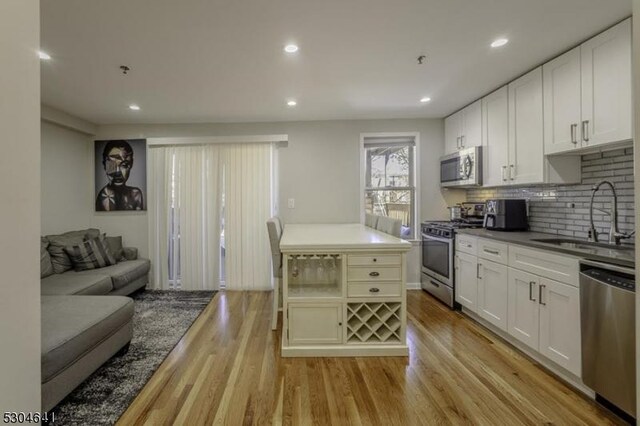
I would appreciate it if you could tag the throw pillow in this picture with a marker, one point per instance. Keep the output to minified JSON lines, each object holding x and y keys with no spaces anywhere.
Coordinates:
{"x":59,"y":259}
{"x":115,"y":247}
{"x":46,"y":268}
{"x":90,"y":254}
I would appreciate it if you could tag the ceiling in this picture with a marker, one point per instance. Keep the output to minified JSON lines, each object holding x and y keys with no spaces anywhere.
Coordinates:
{"x":223,"y":60}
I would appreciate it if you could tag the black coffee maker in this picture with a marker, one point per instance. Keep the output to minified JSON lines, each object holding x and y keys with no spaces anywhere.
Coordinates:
{"x":505,"y":214}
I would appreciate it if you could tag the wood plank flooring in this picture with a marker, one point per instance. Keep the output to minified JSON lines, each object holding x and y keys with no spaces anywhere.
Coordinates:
{"x":227,"y":370}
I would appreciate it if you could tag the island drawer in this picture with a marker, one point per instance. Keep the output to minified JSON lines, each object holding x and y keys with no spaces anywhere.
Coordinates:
{"x":493,"y":250}
{"x":374,"y":289}
{"x":374,"y":273}
{"x":466,"y":244}
{"x":374,"y":259}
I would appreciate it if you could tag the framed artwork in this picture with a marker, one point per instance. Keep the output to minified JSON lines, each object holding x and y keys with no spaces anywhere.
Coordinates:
{"x":121,"y":175}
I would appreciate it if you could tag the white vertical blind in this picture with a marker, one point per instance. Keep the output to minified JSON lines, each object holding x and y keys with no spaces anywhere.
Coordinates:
{"x":158,"y":204}
{"x":248,"y":206}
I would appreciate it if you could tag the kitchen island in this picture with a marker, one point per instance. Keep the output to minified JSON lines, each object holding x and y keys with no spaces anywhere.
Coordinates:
{"x":344,"y":291}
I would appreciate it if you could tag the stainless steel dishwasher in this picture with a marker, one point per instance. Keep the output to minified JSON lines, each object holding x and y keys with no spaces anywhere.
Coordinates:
{"x":607,"y":311}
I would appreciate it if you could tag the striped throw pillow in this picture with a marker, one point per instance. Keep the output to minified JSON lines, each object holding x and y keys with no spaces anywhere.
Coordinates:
{"x":90,"y":254}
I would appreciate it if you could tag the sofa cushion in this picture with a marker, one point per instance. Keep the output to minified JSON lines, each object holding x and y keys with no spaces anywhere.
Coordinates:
{"x":90,"y":254}
{"x":46,"y":268}
{"x":115,"y":247}
{"x":123,"y":272}
{"x":73,"y":325}
{"x":73,"y":283}
{"x":59,"y":259}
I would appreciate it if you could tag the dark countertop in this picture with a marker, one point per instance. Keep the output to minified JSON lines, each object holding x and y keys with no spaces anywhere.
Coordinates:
{"x":596,"y":253}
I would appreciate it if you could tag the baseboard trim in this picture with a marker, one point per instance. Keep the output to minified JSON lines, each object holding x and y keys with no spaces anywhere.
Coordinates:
{"x":413,"y":286}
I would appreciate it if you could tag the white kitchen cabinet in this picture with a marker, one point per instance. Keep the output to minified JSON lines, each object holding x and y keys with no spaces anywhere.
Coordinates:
{"x":495,"y":137}
{"x":493,"y":280}
{"x":523,"y":312}
{"x":562,"y":100}
{"x":526,"y":147}
{"x":464,"y":128}
{"x":315,"y":323}
{"x":606,"y":87}
{"x":466,"y":280}
{"x":587,"y":94}
{"x":560,"y":324}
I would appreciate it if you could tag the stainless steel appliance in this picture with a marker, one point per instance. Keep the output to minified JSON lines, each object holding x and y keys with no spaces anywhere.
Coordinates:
{"x":438,"y":245}
{"x":462,"y":168}
{"x":506,"y":214}
{"x":607,"y":311}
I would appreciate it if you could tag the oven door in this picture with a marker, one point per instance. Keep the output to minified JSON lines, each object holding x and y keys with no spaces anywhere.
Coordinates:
{"x":437,"y":258}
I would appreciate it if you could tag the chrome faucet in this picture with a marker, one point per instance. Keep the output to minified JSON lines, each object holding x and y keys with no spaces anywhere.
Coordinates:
{"x":614,"y":235}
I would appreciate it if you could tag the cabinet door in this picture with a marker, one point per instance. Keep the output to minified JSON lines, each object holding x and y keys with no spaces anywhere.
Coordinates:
{"x":452,"y":126}
{"x":526,"y":139}
{"x":523,"y":313}
{"x":562,"y":98}
{"x":466,"y":280}
{"x":560,"y":324}
{"x":315,"y":323}
{"x":606,"y":86}
{"x":472,"y":125}
{"x":495,"y":137}
{"x":493,"y":280}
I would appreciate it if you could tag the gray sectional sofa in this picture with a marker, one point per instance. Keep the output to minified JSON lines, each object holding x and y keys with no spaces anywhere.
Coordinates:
{"x":85,"y":317}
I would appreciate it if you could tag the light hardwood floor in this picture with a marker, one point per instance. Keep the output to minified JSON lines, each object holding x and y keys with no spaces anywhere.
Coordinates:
{"x":227,"y":370}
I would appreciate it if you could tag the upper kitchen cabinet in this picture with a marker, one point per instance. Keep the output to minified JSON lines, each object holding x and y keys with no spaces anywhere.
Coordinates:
{"x":495,"y":137}
{"x":587,"y":94}
{"x":464,"y":128}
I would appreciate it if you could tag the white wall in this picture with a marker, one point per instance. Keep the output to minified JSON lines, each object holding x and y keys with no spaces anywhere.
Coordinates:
{"x":66,"y":179}
{"x":20,"y":212}
{"x":636,"y":153}
{"x":320,"y":168}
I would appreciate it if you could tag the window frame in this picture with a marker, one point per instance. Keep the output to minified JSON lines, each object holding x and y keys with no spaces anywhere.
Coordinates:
{"x":414,"y":175}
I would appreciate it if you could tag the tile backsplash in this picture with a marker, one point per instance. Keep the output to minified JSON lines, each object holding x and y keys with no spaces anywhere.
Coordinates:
{"x":564,"y":209}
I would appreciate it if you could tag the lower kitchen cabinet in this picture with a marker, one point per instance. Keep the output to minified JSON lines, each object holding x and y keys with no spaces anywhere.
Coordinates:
{"x":560,"y":324}
{"x":315,"y":323}
{"x":467,"y":281}
{"x":524,"y":312}
{"x":492,"y":292}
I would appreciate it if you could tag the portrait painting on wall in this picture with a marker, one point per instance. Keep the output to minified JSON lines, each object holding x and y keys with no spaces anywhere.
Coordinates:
{"x":121,"y":175}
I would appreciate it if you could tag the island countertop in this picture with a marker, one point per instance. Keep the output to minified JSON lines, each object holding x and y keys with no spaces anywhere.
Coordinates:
{"x":343,"y":236}
{"x":622,"y":257}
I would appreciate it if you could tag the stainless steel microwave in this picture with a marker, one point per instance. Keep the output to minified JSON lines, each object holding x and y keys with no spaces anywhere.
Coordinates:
{"x":462,"y":168}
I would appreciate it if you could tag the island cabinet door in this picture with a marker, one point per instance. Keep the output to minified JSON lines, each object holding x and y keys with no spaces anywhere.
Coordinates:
{"x":315,"y":323}
{"x":523,"y":311}
{"x":560,"y":324}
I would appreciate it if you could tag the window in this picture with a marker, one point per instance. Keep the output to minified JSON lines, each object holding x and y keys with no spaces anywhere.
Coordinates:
{"x":389,"y":179}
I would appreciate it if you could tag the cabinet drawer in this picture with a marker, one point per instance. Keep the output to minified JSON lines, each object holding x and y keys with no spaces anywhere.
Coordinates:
{"x":466,"y":244}
{"x":546,"y":264}
{"x":374,"y":259}
{"x":374,"y":289}
{"x":387,"y":273}
{"x":493,"y":250}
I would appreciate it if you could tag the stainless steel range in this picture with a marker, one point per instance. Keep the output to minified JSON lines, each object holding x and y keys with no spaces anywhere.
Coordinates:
{"x":438,"y":246}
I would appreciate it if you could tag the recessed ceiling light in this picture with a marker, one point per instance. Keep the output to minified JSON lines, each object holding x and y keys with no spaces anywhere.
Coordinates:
{"x":499,"y":42}
{"x":292,"y":103}
{"x":291,"y":48}
{"x":425,"y":99}
{"x":134,"y":107}
{"x":44,"y":55}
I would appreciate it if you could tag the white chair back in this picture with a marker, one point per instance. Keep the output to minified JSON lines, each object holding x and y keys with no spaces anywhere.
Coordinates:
{"x":389,"y":226}
{"x":274,"y":227}
{"x":370,"y":220}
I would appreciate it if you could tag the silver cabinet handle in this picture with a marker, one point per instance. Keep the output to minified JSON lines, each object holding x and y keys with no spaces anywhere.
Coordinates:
{"x":504,"y":170}
{"x":496,"y":252}
{"x":458,"y":142}
{"x":374,"y":290}
{"x":512,"y":172}
{"x":374,"y":274}
{"x":585,"y":130}
{"x":542,"y":286}
{"x":462,"y":141}
{"x":531,"y":284}
{"x":478,"y":271}
{"x":574,"y":138}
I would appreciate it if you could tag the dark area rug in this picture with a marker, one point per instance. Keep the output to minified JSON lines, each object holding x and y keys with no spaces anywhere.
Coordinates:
{"x":160,"y":320}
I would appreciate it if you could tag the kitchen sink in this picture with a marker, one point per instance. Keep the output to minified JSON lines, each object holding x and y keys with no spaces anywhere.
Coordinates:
{"x":582,"y":245}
